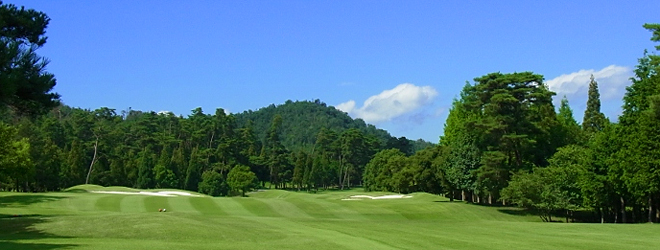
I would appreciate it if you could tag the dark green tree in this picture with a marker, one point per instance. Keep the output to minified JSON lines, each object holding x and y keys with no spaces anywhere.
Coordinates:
{"x":594,"y":120}
{"x":26,"y":86}
{"x":145,"y":169}
{"x":213,"y":184}
{"x":514,"y":124}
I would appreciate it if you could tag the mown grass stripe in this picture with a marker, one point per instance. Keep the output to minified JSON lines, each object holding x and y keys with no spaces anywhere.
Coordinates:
{"x":110,"y":202}
{"x":286,"y":208}
{"x":337,"y":210}
{"x":181,"y":205}
{"x":313,"y":209}
{"x":133,"y":204}
{"x":82,"y":202}
{"x":232,"y":207}
{"x":257,"y":207}
{"x":374,"y":209}
{"x":154,"y":203}
{"x":206,"y":206}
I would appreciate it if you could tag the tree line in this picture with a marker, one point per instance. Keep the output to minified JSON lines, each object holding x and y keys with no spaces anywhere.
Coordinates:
{"x":507,"y":144}
{"x":503,"y":143}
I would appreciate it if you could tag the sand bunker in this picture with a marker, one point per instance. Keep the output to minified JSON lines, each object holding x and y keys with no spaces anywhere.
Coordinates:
{"x":361,"y":197}
{"x":159,"y":193}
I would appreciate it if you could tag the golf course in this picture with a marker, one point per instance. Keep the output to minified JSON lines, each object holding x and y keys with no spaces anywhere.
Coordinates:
{"x":94,"y":217}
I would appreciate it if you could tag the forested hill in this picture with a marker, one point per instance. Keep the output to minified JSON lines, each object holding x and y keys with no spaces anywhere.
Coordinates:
{"x":302,"y":121}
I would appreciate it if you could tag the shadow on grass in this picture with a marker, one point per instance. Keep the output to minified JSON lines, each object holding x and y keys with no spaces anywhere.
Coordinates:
{"x":26,"y":199}
{"x":517,"y":211}
{"x":76,"y":190}
{"x":14,"y":228}
{"x":37,"y":246}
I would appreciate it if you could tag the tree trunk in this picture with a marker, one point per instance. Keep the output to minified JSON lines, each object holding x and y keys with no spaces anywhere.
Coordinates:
{"x":657,"y":210}
{"x":91,"y":165}
{"x":341,"y":168}
{"x":616,"y":215}
{"x":602,"y":215}
{"x":623,"y":210}
{"x":490,"y":199}
{"x":463,"y":198}
{"x":650,"y":209}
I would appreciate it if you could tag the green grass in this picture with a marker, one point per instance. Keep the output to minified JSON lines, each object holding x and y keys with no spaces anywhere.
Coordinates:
{"x":275,"y":219}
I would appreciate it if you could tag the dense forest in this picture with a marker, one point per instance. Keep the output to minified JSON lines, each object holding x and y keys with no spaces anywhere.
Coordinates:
{"x":504,"y":143}
{"x":303,"y":120}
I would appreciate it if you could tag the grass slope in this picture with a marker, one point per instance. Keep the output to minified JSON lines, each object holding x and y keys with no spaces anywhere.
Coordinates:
{"x":275,"y":219}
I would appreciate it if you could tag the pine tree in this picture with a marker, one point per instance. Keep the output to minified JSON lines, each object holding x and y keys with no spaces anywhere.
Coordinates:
{"x":594,"y":120}
{"x":26,"y":85}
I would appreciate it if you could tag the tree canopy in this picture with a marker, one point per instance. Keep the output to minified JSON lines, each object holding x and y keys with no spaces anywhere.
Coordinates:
{"x":26,"y":84}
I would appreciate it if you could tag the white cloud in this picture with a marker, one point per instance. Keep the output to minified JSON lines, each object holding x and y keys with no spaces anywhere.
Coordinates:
{"x":403,"y":99}
{"x":612,"y":81}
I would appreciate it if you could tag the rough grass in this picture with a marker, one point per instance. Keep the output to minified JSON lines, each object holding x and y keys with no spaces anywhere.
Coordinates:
{"x":275,"y":219}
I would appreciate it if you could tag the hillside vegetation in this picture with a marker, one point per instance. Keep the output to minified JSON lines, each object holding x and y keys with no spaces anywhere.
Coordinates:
{"x":504,"y":143}
{"x":303,"y":120}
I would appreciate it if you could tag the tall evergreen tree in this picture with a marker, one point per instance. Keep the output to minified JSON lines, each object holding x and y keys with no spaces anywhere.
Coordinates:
{"x":593,"y":120}
{"x":26,"y":86}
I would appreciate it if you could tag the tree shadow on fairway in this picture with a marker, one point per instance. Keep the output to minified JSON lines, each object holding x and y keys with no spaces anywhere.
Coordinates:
{"x":76,"y":190}
{"x":15,"y":228}
{"x":37,"y":246}
{"x":26,"y":199}
{"x":517,"y":211}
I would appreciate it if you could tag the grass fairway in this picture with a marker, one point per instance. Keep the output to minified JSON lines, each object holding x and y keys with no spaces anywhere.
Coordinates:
{"x":289,"y":220}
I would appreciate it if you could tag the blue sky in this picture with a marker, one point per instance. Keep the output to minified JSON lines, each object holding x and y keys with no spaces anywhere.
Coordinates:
{"x":396,"y":64}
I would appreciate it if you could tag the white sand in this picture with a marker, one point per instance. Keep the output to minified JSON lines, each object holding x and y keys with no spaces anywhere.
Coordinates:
{"x":392,"y":196}
{"x":177,"y":193}
{"x":160,"y":193}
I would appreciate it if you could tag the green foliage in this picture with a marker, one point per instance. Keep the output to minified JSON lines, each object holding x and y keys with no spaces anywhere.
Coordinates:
{"x":303,"y":120}
{"x":240,"y":178}
{"x":510,"y":120}
{"x":213,"y":184}
{"x":15,"y":163}
{"x":655,"y":30}
{"x":503,"y":140}
{"x":165,"y":178}
{"x":551,"y":189}
{"x":426,"y":165}
{"x":594,"y":120}
{"x":387,"y":172}
{"x":145,"y":169}
{"x":569,"y":131}
{"x":26,"y":86}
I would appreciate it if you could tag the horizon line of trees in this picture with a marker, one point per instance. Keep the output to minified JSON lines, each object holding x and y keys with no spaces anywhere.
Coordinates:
{"x":504,"y":143}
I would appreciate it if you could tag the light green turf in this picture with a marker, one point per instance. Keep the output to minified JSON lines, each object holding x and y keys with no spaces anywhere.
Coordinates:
{"x":275,"y":219}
